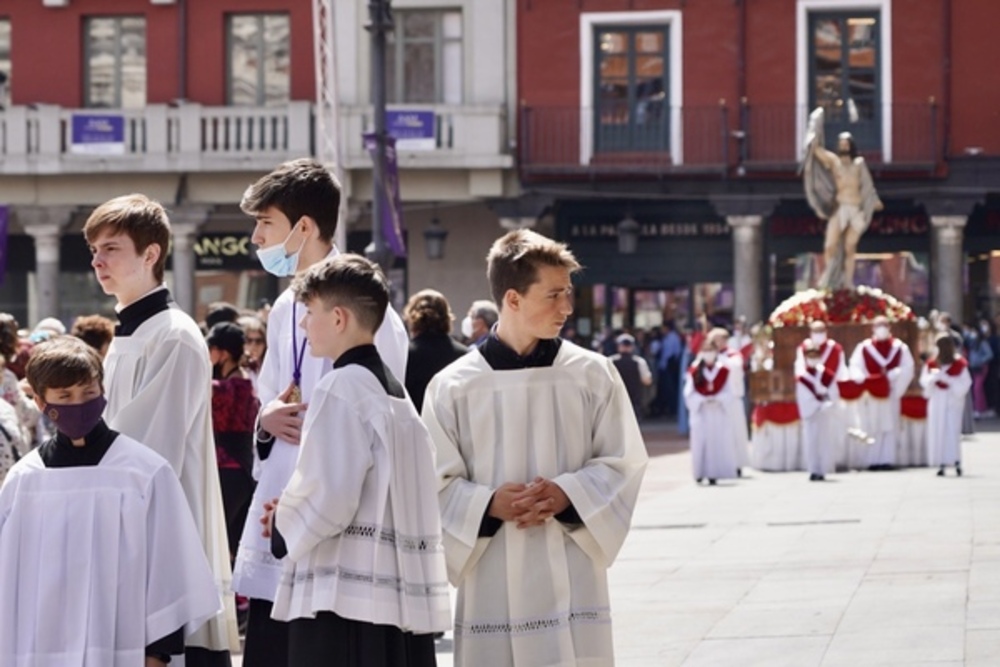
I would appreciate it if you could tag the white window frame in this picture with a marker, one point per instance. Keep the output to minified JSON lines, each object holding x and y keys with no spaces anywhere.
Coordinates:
{"x":590,"y":20}
{"x":803,"y":51}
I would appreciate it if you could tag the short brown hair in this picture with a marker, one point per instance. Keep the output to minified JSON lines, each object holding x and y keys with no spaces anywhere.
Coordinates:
{"x":297,"y":188}
{"x":513,"y":261}
{"x":94,"y":330}
{"x":137,"y":216}
{"x":349,"y":281}
{"x":63,"y":361}
{"x":428,"y":311}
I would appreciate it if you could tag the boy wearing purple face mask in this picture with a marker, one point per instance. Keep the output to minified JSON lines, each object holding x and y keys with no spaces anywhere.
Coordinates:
{"x":87,"y":579}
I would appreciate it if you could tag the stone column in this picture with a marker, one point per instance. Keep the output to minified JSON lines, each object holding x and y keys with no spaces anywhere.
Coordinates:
{"x":45,"y":225}
{"x":185,"y":221}
{"x":748,"y":250}
{"x":948,"y":269}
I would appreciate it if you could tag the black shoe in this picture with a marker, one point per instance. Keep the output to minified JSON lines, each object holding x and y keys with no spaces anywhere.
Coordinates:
{"x":820,"y":478}
{"x":711,"y":482}
{"x":958,"y":470}
{"x":813,"y":478}
{"x":739,"y":472}
{"x":940,"y":473}
{"x":698,"y":481}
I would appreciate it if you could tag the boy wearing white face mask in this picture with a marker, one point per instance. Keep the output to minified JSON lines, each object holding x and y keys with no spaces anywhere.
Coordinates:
{"x":884,"y":366}
{"x":708,"y":395}
{"x":295,"y":208}
{"x":831,"y":356}
{"x":816,"y":396}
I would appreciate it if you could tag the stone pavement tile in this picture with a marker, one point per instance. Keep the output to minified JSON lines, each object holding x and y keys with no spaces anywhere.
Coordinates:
{"x":759,"y":652}
{"x":983,"y":615}
{"x":776,"y":620}
{"x":984,"y":581}
{"x":982,"y":648}
{"x":889,"y":613}
{"x":880,"y":645}
{"x":778,"y":587}
{"x":708,"y":593}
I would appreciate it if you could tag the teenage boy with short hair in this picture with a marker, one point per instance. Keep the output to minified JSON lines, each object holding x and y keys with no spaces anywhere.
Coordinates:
{"x":364,"y":581}
{"x":540,"y":459}
{"x":159,"y":385}
{"x":295,"y":208}
{"x":102,"y":562}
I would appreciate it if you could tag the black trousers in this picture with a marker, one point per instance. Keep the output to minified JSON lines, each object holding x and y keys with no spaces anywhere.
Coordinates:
{"x":202,"y":657}
{"x":266,"y":639}
{"x":330,"y":640}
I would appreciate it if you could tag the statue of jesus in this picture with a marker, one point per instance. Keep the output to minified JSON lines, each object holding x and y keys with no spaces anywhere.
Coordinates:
{"x":840,"y":190}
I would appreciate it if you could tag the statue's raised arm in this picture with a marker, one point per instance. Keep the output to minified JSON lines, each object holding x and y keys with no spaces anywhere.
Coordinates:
{"x":839,"y":188}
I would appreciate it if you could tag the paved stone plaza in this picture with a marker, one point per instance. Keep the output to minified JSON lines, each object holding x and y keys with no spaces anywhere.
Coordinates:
{"x":888,"y":568}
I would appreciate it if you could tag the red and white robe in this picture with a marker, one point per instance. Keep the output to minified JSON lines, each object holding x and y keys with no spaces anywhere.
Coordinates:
{"x":842,"y":413}
{"x":945,"y":389}
{"x":709,"y":399}
{"x":884,"y":369}
{"x":816,"y":396}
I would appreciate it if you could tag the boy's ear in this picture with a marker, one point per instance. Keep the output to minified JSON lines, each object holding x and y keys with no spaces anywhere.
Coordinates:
{"x":309,"y":226}
{"x":152,"y":253}
{"x":511,"y":299}
{"x":39,"y":402}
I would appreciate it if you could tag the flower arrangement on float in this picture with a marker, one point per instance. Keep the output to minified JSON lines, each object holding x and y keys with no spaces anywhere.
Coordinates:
{"x":860,"y":305}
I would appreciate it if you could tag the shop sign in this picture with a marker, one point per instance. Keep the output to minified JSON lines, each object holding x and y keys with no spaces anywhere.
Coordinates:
{"x":97,"y":134}
{"x":224,"y":251}
{"x":712,"y":229}
{"x":887,"y":224}
{"x":986,"y":223}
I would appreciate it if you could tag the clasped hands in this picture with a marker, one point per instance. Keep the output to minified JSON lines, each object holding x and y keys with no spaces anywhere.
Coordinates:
{"x":282,"y":418}
{"x":530,"y":504}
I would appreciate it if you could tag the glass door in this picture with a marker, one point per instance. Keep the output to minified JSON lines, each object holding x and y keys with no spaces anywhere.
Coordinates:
{"x":631,"y":105}
{"x":844,"y":60}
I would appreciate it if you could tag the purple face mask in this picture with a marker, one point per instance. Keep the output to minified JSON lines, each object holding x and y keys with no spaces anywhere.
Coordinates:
{"x":76,"y":421}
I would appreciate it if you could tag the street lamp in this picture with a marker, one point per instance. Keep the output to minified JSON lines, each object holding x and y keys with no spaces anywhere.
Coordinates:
{"x":628,"y":236}
{"x":434,"y":237}
{"x":380,"y":15}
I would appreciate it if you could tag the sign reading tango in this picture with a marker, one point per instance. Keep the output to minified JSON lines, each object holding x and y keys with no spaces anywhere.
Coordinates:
{"x":230,"y":251}
{"x":653,"y":230}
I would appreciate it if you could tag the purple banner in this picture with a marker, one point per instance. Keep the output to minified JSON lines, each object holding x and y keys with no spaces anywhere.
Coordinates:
{"x":3,"y":242}
{"x":392,"y":210}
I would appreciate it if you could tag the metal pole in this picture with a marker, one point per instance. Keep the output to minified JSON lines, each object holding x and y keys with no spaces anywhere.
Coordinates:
{"x":380,"y":14}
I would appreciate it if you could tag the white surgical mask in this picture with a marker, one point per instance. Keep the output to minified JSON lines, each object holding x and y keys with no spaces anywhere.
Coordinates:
{"x":709,"y":357}
{"x":467,"y":327}
{"x":818,"y":337}
{"x":277,"y":261}
{"x":881,"y":332}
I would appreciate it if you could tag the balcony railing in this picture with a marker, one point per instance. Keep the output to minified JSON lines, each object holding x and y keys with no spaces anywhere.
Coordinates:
{"x":651,"y":141}
{"x":41,"y":139}
{"x":576,"y":142}
{"x":900,"y":136}
{"x":465,"y":136}
{"x":191,"y":137}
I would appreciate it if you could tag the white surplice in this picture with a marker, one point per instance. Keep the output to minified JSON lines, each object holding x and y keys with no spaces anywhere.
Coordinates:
{"x":257,"y":573}
{"x":944,"y":411}
{"x":360,"y":515}
{"x":841,"y":415}
{"x":159,"y":384}
{"x":737,"y":407}
{"x":98,"y":561}
{"x":535,"y":596}
{"x":714,"y":450}
{"x":879,"y":417}
{"x":822,"y":421}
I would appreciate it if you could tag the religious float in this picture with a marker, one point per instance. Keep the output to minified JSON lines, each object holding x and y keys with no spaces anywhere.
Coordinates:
{"x":848,"y":314}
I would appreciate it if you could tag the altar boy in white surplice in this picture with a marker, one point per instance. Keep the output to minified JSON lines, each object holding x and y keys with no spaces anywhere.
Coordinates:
{"x":946,"y":382}
{"x":102,"y":565}
{"x":540,"y":460}
{"x":708,"y":394}
{"x":816,"y":397}
{"x":884,"y":365}
{"x":364,"y":581}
